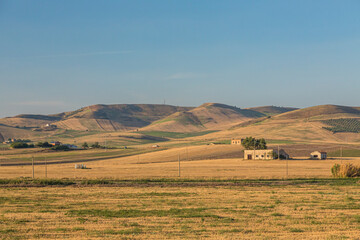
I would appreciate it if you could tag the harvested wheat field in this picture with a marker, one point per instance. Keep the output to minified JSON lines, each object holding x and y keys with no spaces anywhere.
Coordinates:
{"x":139,"y":167}
{"x":189,"y":209}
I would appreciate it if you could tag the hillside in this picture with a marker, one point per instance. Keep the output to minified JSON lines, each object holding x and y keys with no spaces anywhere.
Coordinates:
{"x":330,"y":123}
{"x":325,"y":123}
{"x":98,"y":117}
{"x":322,"y":111}
{"x":116,"y":117}
{"x":209,"y":116}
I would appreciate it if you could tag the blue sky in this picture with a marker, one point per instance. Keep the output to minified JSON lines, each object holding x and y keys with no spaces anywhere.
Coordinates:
{"x":62,"y":55}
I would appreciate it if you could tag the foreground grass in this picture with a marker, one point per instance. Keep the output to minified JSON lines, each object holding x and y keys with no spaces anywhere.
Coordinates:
{"x":23,"y":182}
{"x":180,"y":208}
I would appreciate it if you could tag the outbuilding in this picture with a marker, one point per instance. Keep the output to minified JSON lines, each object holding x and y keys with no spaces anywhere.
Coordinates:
{"x":236,"y":141}
{"x":318,"y":155}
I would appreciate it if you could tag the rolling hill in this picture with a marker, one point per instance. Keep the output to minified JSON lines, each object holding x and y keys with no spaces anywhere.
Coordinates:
{"x":98,"y":117}
{"x":276,"y":123}
{"x":209,"y":116}
{"x":313,"y":124}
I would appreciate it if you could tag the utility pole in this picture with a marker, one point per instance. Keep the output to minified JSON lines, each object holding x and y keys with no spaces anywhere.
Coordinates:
{"x":341,"y":155}
{"x":287,"y":168}
{"x":33,"y":167}
{"x":45,"y":167}
{"x":179,"y":163}
{"x":254,"y":148}
{"x":278,"y":152}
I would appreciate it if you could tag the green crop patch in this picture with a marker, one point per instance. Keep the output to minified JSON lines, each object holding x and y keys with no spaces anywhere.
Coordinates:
{"x":342,"y":125}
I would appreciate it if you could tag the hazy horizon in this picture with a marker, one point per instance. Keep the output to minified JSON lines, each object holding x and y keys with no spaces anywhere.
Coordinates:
{"x":59,"y":56}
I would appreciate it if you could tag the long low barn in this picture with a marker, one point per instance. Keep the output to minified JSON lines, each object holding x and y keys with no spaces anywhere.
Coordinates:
{"x":265,"y":154}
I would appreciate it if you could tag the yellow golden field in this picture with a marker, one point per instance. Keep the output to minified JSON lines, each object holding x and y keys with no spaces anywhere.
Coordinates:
{"x":202,"y":210}
{"x":207,"y":161}
{"x":138,"y":194}
{"x":217,"y":168}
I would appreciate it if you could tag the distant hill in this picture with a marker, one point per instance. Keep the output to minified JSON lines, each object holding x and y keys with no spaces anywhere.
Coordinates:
{"x":98,"y":117}
{"x":272,"y":110}
{"x":116,"y":117}
{"x":209,"y":116}
{"x":325,"y":124}
{"x":269,"y":121}
{"x":326,"y":111}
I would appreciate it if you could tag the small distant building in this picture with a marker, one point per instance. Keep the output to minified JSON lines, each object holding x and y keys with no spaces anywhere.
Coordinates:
{"x":258,"y":154}
{"x":283,"y":154}
{"x":236,"y":141}
{"x":70,"y":146}
{"x":49,"y":126}
{"x":55,"y":143}
{"x":80,"y":166}
{"x":318,"y":155}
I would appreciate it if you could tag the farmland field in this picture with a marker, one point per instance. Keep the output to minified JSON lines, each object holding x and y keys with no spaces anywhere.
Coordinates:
{"x":178,"y":209}
{"x":136,"y":193}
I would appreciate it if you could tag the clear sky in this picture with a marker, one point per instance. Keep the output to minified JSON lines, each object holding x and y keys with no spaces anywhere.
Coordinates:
{"x":62,"y":55}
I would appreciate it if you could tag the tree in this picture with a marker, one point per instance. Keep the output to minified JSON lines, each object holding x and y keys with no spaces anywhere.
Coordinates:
{"x":250,"y":143}
{"x":60,"y":148}
{"x":261,"y":144}
{"x":21,"y":145}
{"x":96,"y":145}
{"x":44,"y":145}
{"x":85,"y":145}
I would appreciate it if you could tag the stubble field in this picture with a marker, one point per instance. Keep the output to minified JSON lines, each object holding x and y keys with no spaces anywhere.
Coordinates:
{"x":127,"y":197}
{"x":297,"y":209}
